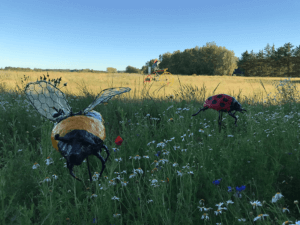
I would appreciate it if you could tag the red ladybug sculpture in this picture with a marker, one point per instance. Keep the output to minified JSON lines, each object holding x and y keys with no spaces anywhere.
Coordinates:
{"x":222,"y":103}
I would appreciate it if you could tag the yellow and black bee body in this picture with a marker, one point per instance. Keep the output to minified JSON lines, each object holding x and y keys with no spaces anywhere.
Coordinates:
{"x":74,"y":135}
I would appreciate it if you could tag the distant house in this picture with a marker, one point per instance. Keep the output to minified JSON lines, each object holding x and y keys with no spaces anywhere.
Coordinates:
{"x":238,"y":72}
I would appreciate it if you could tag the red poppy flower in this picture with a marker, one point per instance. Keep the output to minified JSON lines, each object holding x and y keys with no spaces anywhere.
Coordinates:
{"x":118,"y":140}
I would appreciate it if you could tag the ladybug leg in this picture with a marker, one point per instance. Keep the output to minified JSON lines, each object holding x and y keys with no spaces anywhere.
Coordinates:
{"x":99,"y":156}
{"x":243,"y":110}
{"x":205,"y":108}
{"x":233,"y":117}
{"x":220,"y":118}
{"x":70,"y":167}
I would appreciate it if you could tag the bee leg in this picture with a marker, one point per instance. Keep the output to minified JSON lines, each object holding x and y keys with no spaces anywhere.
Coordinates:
{"x":107,"y":152}
{"x":70,"y":167}
{"x":87,"y":159}
{"x":99,"y":156}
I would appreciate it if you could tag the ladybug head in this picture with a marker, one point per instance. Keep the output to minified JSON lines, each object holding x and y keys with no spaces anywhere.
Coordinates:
{"x":235,"y":105}
{"x":76,"y":154}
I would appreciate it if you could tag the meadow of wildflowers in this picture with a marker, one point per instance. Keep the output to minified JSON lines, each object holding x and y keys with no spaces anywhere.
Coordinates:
{"x":165,"y":167}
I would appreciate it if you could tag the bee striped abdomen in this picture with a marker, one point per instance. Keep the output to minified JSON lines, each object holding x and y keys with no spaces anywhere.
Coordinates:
{"x":92,"y":123}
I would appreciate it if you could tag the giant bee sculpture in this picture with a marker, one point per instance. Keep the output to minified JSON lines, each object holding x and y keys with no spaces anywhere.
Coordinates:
{"x":75,"y":135}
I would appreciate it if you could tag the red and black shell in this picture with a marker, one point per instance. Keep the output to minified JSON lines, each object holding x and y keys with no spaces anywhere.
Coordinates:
{"x":222,"y":103}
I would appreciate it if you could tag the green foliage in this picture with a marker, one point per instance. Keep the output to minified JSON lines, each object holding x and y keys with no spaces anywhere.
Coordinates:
{"x":144,"y":70}
{"x":177,"y":161}
{"x":286,"y":92}
{"x":111,"y":70}
{"x":130,"y":69}
{"x":208,"y":60}
{"x":214,"y":60}
{"x":54,"y":70}
{"x":284,"y":61}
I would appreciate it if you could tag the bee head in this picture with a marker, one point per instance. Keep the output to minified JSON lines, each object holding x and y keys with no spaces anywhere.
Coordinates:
{"x":76,"y":159}
{"x":73,"y":147}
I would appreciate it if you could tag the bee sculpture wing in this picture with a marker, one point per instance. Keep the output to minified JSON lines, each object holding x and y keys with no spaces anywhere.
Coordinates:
{"x":48,"y":100}
{"x":106,"y":95}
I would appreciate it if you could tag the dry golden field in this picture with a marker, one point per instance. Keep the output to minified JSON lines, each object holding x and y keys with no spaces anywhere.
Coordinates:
{"x":95,"y":82}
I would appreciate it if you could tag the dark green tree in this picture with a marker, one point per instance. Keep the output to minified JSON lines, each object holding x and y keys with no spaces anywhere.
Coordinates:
{"x":268,"y":51}
{"x":131,"y":69}
{"x":296,"y":51}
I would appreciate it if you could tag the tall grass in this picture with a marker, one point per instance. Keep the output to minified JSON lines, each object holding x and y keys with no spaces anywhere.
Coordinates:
{"x":171,"y":168}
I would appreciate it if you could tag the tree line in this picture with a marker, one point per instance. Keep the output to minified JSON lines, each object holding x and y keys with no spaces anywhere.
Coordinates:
{"x":54,"y":70}
{"x":284,"y":61}
{"x":215,"y":60}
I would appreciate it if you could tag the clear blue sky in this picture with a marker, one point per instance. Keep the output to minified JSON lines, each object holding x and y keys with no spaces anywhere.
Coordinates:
{"x":100,"y":34}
